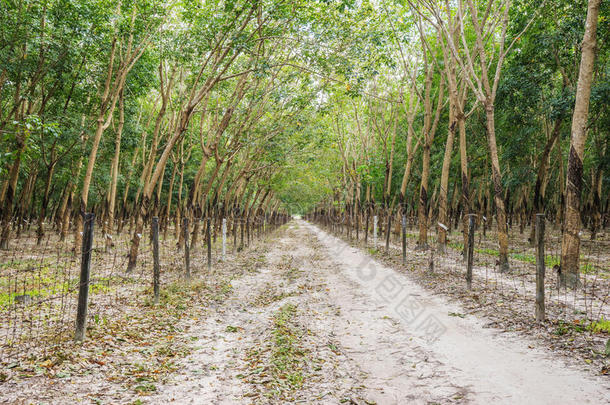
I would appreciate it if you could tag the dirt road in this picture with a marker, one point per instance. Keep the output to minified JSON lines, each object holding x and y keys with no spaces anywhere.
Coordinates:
{"x":321,"y":322}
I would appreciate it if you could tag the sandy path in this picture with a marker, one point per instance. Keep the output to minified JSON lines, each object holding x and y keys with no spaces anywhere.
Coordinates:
{"x":376,"y":337}
{"x":492,"y":366}
{"x":208,"y":376}
{"x":217,"y":372}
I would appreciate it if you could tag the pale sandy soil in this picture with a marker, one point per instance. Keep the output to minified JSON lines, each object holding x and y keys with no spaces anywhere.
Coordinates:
{"x":385,"y":350}
{"x":362,"y":333}
{"x":489,"y":365}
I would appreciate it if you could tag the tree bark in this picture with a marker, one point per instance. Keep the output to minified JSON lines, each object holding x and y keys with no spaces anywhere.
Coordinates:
{"x":496,"y":176}
{"x":465,"y":180}
{"x":541,"y":174}
{"x":7,"y":210}
{"x":428,"y":135}
{"x":108,"y":225}
{"x":570,"y":243}
{"x":44,"y":203}
{"x":444,"y":225}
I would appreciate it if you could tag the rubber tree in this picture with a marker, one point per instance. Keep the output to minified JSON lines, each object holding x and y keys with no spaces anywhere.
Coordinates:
{"x":125,"y":51}
{"x":221,"y":55}
{"x":482,"y":61}
{"x":570,"y":242}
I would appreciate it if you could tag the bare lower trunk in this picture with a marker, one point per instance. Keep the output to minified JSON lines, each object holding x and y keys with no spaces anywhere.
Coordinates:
{"x":87,"y":180}
{"x":561,"y":191}
{"x":422,"y":210}
{"x":444,"y":225}
{"x":7,"y":210}
{"x":137,"y":237}
{"x":498,"y":190}
{"x":541,"y":177}
{"x":108,"y":225}
{"x":44,"y":205}
{"x":465,"y":183}
{"x":65,"y":223}
{"x":169,"y":201}
{"x":596,"y":191}
{"x":59,"y":215}
{"x":570,"y":243}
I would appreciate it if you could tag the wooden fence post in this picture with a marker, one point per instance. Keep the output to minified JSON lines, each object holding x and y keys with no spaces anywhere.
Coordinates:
{"x":404,"y":239}
{"x":208,"y":235}
{"x":187,"y":259}
{"x":540,"y":312}
{"x":388,"y":232}
{"x":224,"y":239}
{"x":375,"y":231}
{"x":234,"y":229}
{"x":85,"y":271}
{"x":470,"y":250}
{"x":156,"y":270}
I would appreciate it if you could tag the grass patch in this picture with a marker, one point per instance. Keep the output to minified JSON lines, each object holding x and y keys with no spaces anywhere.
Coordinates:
{"x":577,"y":326}
{"x":549,"y":260}
{"x":456,"y":245}
{"x":222,"y":290}
{"x":269,"y":295}
{"x":41,"y":279}
{"x":37,"y":279}
{"x":601,"y":326}
{"x":177,"y":295}
{"x":287,"y":357}
{"x":145,"y":388}
{"x":457,"y":314}
{"x":280,"y":367}
{"x":292,"y":274}
{"x":564,"y":328}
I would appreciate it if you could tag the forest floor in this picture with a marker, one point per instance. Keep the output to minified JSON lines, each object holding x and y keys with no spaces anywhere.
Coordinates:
{"x":304,"y":317}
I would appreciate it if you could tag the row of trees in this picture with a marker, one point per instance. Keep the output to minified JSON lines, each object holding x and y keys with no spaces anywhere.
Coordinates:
{"x":229,"y":108}
{"x":134,"y":109}
{"x":523,"y":85}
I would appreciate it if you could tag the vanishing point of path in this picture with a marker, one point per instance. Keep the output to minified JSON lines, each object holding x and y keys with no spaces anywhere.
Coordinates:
{"x":321,"y":322}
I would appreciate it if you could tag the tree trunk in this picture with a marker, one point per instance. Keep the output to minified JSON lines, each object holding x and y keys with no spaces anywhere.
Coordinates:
{"x":168,"y":206}
{"x":179,"y":206}
{"x":108,"y":225}
{"x":561,"y":189}
{"x":570,"y":243}
{"x":543,"y":165}
{"x":498,"y":189}
{"x":422,"y":242}
{"x":465,"y":183}
{"x":7,"y":210}
{"x":596,"y":191}
{"x":103,"y":121}
{"x":148,"y":188}
{"x":62,"y":207}
{"x":44,"y":204}
{"x":444,"y":225}
{"x":429,"y":132}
